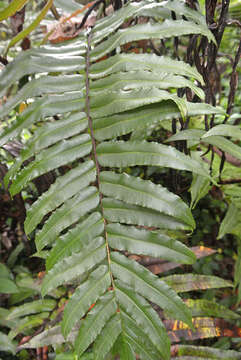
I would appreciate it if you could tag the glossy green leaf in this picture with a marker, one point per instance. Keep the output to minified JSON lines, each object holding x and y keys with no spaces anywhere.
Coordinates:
{"x":75,"y":265}
{"x":120,"y":101}
{"x":51,"y":158}
{"x":95,"y":321}
{"x":191,"y":282}
{"x":189,"y":134}
{"x":147,"y":62}
{"x":84,"y":296}
{"x":141,"y":79}
{"x":118,"y":211}
{"x":149,"y":115}
{"x":132,"y":153}
{"x":146,"y":318}
{"x":167,"y":29}
{"x":63,"y":189}
{"x":224,"y":130}
{"x":108,"y":336}
{"x":231,"y":222}
{"x":12,"y":8}
{"x":145,"y":193}
{"x":70,"y":212}
{"x":39,"y":61}
{"x":200,"y":186}
{"x":224,"y":145}
{"x":124,"y":349}
{"x":75,"y":239}
{"x":149,"y":286}
{"x":136,"y":241}
{"x":32,"y":308}
{"x":136,"y":338}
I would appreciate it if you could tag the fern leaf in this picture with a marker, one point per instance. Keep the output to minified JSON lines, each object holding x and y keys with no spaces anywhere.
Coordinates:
{"x":70,"y":212}
{"x":51,"y":158}
{"x":146,"y":318}
{"x":75,"y":239}
{"x":84,"y":296}
{"x":108,"y":336}
{"x":149,"y":286}
{"x":63,"y":189}
{"x":75,"y":265}
{"x":141,"y":79}
{"x":149,"y":115}
{"x":118,"y":211}
{"x":144,"y":193}
{"x":150,"y":243}
{"x":132,"y":153}
{"x":95,"y":321}
{"x":168,"y":28}
{"x":147,"y":62}
{"x":137,"y":339}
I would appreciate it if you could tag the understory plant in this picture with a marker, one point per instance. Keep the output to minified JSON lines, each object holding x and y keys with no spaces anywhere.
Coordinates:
{"x":90,"y":106}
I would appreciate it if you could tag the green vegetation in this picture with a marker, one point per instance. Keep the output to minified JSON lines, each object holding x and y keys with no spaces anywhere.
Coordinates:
{"x":120,"y":181}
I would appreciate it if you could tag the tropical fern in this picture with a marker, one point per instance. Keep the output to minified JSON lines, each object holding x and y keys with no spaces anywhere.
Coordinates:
{"x":95,"y":214}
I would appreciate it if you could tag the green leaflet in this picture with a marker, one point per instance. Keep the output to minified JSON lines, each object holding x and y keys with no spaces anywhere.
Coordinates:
{"x":84,"y":296}
{"x":146,"y":318}
{"x":150,"y":243}
{"x":205,"y":352}
{"x":147,"y":62}
{"x":51,"y":158}
{"x":224,"y":130}
{"x":27,"y":323}
{"x":119,"y":101}
{"x":224,"y":145}
{"x":189,"y":134}
{"x":95,"y":321}
{"x":136,"y":338}
{"x":75,"y":265}
{"x":141,"y":79}
{"x":64,"y":188}
{"x":199,"y":188}
{"x":47,"y":135}
{"x":75,"y":239}
{"x":145,"y":193}
{"x":231,"y":222}
{"x":168,"y":28}
{"x":44,"y":85}
{"x":118,"y":211}
{"x":124,"y":349}
{"x":149,"y":115}
{"x":191,"y":282}
{"x":70,"y":212}
{"x":132,"y":153}
{"x":6,"y":344}
{"x":46,"y":106}
{"x":202,"y":307}
{"x":149,"y":286}
{"x":33,"y":307}
{"x":36,"y":61}
{"x":108,"y":336}
{"x":11,"y":9}
{"x":7,"y":286}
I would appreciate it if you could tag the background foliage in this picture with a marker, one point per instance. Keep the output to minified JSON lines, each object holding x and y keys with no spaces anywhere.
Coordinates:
{"x":110,"y":136}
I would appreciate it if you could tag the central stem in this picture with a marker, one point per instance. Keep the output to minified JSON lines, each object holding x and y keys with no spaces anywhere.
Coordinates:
{"x":90,"y":124}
